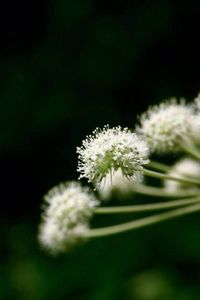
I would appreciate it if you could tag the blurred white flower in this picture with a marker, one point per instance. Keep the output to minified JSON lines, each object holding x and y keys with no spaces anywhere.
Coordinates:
{"x":58,"y":239}
{"x":195,"y":120}
{"x":197,"y":101}
{"x":112,"y":149}
{"x":117,"y":184}
{"x":66,"y":215}
{"x":185,"y":167}
{"x":195,"y":128}
{"x":165,"y":124}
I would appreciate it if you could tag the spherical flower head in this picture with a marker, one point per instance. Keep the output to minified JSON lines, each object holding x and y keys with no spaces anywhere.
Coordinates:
{"x":68,"y":208}
{"x":118,"y":185}
{"x":58,"y":239}
{"x":186,"y":167}
{"x":112,"y":149}
{"x":164,"y":125}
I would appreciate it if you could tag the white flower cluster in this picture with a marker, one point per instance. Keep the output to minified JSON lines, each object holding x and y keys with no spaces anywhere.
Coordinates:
{"x":112,"y":149}
{"x":114,"y":160}
{"x":65,"y":219}
{"x":164,"y":125}
{"x":186,"y":167}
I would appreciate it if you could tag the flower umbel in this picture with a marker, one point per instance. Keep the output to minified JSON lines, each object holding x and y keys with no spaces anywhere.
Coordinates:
{"x":60,"y":239}
{"x":112,"y":149}
{"x":67,"y":212}
{"x":114,"y":160}
{"x":185,"y":167}
{"x":165,"y":124}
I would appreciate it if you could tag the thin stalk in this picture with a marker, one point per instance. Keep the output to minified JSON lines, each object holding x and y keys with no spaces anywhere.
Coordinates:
{"x":161,"y":192}
{"x":145,"y":207}
{"x":166,"y":176}
{"x":111,"y":230}
{"x":191,"y":149}
{"x":159,"y":166}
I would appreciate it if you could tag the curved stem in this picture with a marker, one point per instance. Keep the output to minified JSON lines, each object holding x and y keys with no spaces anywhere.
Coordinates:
{"x":145,"y":207}
{"x":105,"y":231}
{"x":191,"y":149}
{"x":161,"y":192}
{"x":166,"y":176}
{"x":159,"y":166}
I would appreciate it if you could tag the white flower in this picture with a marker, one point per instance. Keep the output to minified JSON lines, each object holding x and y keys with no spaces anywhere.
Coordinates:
{"x":112,"y":149}
{"x":195,"y":127}
{"x":65,"y":218}
{"x":58,"y":239}
{"x":117,"y":184}
{"x":164,"y":125}
{"x":185,"y":167}
{"x":197,"y":101}
{"x":195,"y":120}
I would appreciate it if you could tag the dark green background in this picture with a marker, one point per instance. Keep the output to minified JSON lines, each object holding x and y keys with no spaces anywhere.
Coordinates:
{"x":68,"y":66}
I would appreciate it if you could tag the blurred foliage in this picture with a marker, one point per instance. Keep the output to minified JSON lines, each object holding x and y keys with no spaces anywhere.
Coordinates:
{"x":66,"y":68}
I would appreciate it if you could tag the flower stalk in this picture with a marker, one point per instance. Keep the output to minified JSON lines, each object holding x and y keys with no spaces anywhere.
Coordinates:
{"x":158,"y":166}
{"x":116,"y":229}
{"x":145,"y":207}
{"x":159,"y":175}
{"x":162,"y":192}
{"x":190,"y":149}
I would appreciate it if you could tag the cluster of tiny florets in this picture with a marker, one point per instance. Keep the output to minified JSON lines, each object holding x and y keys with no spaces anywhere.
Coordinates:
{"x":60,"y":239}
{"x":164,"y":125}
{"x":186,"y":167}
{"x":68,"y":208}
{"x":112,"y":149}
{"x":113,"y":160}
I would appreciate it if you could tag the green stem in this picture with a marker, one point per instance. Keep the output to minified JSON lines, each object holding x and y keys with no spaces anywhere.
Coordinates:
{"x":145,"y":207}
{"x":161,"y":192}
{"x":191,"y":149}
{"x":159,"y":166}
{"x":166,"y":176}
{"x":98,"y":232}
